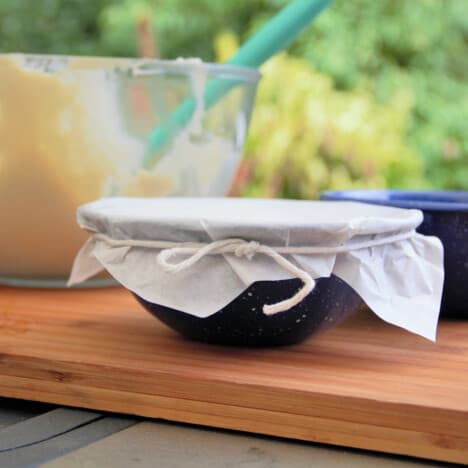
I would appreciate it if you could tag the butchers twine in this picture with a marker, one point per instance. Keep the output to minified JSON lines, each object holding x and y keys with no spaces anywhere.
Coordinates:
{"x":193,"y":252}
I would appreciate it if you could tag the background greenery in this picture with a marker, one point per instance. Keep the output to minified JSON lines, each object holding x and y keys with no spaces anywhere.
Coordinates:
{"x":373,"y":95}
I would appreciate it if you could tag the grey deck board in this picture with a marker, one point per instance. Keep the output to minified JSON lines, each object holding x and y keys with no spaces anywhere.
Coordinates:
{"x":43,"y":427}
{"x":41,"y":435}
{"x":36,"y":454}
{"x":13,"y":411}
{"x":160,"y":444}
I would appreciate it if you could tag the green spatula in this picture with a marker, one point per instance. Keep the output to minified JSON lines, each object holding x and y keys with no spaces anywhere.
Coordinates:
{"x":276,"y":35}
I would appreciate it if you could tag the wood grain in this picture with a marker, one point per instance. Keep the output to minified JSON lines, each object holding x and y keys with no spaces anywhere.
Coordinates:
{"x":363,"y":384}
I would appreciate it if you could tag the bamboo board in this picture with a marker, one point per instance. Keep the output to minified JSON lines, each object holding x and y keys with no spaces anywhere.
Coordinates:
{"x":363,"y":384}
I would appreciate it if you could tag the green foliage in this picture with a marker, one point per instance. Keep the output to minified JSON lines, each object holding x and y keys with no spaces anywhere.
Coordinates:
{"x":420,"y":46}
{"x":405,"y":61}
{"x":51,"y":26}
{"x":306,"y":136}
{"x":182,"y":27}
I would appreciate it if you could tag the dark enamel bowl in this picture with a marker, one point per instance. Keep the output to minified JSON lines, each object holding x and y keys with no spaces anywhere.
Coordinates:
{"x":446,"y":217}
{"x":243,"y":323}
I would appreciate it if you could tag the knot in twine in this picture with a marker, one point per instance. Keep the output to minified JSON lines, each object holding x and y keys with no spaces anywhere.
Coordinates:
{"x":240,"y":248}
{"x":247,"y":249}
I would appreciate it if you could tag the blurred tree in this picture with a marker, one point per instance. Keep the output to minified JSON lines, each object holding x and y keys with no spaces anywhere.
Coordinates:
{"x":183,"y":27}
{"x":420,"y":46}
{"x":51,"y":26}
{"x":384,"y":48}
{"x":307,"y":137}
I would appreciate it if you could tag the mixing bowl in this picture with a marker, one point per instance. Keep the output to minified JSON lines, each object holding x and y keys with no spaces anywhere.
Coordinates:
{"x":241,"y":271}
{"x":446,"y":217}
{"x":75,"y":129}
{"x":242,"y":322}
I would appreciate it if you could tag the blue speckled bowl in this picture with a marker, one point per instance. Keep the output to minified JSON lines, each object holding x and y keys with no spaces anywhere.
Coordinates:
{"x":243,"y":323}
{"x":445,"y":216}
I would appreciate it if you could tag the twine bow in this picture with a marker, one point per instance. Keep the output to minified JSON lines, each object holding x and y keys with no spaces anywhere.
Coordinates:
{"x":193,"y":252}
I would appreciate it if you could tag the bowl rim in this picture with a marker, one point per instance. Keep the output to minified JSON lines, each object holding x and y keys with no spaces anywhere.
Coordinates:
{"x":403,"y":198}
{"x":151,"y":66}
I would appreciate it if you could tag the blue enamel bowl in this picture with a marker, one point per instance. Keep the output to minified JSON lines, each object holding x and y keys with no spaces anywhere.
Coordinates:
{"x":446,"y":217}
{"x":242,"y":322}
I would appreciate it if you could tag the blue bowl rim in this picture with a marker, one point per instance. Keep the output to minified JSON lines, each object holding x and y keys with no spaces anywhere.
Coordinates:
{"x":413,"y":199}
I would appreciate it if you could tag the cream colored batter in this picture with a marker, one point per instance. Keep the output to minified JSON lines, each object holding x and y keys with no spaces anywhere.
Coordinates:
{"x":62,"y":144}
{"x":60,"y":141}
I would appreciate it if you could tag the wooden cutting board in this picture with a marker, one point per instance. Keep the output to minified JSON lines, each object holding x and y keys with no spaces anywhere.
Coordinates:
{"x":362,"y":384}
